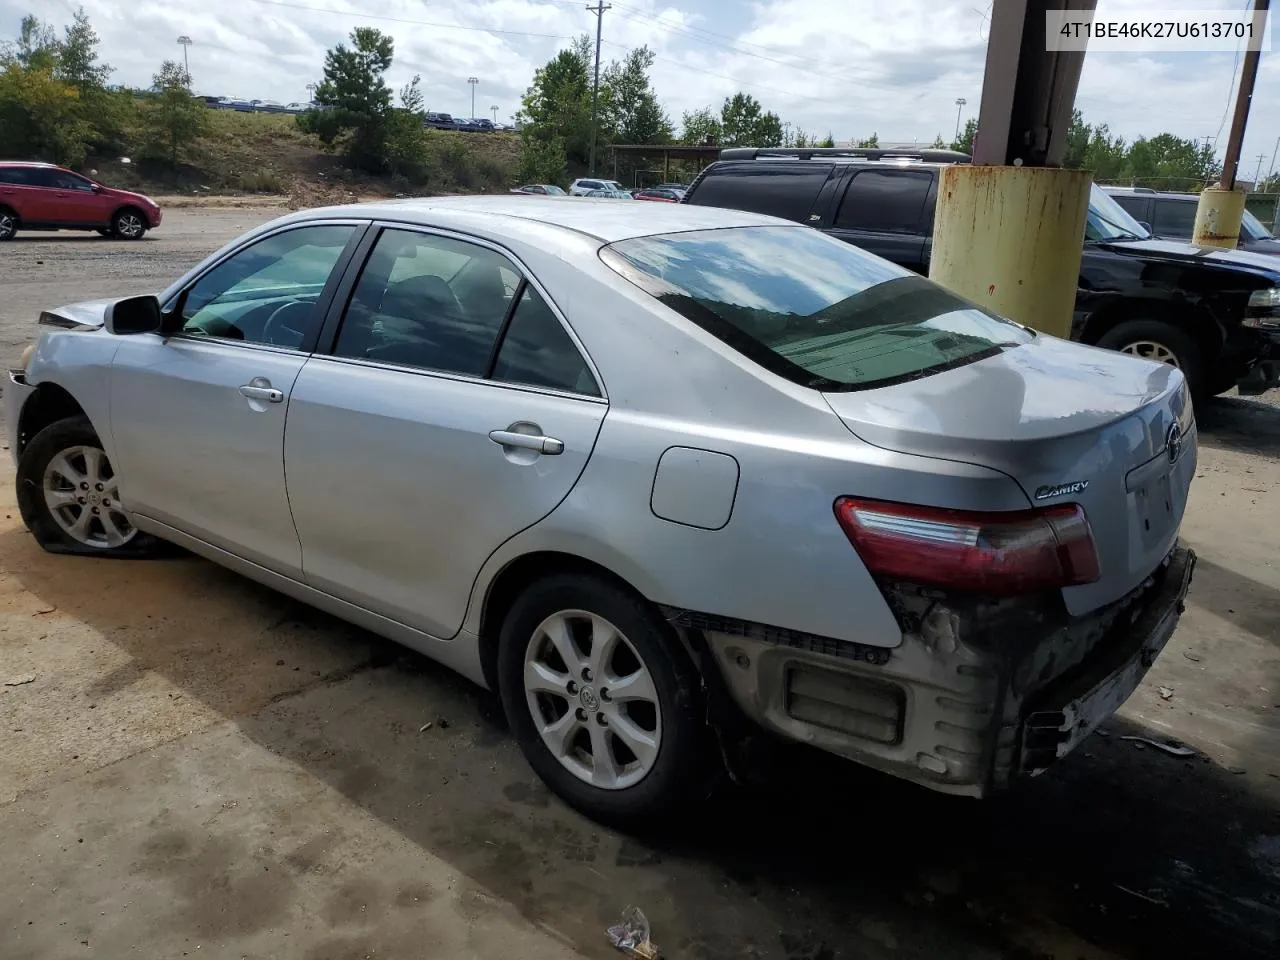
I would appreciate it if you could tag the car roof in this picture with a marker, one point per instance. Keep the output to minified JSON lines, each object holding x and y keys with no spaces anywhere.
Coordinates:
{"x":29,"y":163}
{"x":1159,"y":194}
{"x":602,"y":219}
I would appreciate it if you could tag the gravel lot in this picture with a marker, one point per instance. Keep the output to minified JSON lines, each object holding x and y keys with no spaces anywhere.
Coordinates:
{"x":202,"y":765}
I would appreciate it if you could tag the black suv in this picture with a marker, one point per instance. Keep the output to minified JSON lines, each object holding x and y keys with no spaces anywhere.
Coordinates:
{"x":1170,"y":216}
{"x":1211,"y":313}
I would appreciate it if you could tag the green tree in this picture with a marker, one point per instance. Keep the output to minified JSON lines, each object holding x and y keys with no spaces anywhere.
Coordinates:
{"x":36,"y":48}
{"x":557,"y":107}
{"x":938,"y":143}
{"x":543,"y":161}
{"x":827,"y":141}
{"x":700,"y":127}
{"x":635,"y":115}
{"x":173,"y":119}
{"x":78,"y":56}
{"x":411,"y":98}
{"x":744,"y":123}
{"x":964,"y":142}
{"x":40,"y":115}
{"x":356,"y":99}
{"x":871,"y":142}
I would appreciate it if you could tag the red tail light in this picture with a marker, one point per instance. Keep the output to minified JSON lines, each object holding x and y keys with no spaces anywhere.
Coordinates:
{"x":997,"y":554}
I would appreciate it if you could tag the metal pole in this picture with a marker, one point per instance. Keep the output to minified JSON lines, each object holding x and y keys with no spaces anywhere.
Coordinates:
{"x":960,"y":102}
{"x":185,"y":41}
{"x":1258,"y":171}
{"x":598,"y":10}
{"x":473,"y":82}
{"x":1272,"y":166}
{"x":1244,"y":97}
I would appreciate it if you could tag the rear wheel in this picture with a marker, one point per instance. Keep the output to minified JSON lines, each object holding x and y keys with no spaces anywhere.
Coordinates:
{"x":1161,"y":342}
{"x":8,"y":223}
{"x":128,"y":224}
{"x":601,"y":700}
{"x":69,"y":496}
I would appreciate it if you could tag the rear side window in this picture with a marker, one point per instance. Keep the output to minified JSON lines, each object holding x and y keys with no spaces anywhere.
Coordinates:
{"x":885,"y":201}
{"x":778,"y":190}
{"x":1174,"y":218}
{"x":810,"y":308}
{"x":1135,"y":206}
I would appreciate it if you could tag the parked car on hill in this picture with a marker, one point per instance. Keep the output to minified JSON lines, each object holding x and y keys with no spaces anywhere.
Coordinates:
{"x":1199,"y":310}
{"x":42,"y":196}
{"x":610,"y":194}
{"x":659,"y":194}
{"x":660,"y":479}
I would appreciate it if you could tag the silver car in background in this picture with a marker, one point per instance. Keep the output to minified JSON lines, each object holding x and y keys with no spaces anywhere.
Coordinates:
{"x":657,"y":474}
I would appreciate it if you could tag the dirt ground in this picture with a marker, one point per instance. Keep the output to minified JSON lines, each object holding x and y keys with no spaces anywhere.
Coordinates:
{"x":195,"y":766}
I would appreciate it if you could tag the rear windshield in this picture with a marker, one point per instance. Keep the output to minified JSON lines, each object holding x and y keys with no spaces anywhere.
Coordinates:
{"x":810,"y":308}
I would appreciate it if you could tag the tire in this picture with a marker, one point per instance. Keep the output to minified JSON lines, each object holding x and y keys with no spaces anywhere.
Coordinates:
{"x":8,"y":224}
{"x":665,"y":713}
{"x":59,"y":462}
{"x":129,"y":224}
{"x":1162,"y":342}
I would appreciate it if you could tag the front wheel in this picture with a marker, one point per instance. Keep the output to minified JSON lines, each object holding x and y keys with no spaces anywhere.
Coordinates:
{"x":8,"y":224}
{"x":602,"y":700}
{"x":69,"y":495}
{"x":1161,"y":342}
{"x":128,"y":225}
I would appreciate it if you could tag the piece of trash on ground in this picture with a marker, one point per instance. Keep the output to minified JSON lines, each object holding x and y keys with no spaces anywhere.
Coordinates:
{"x":20,"y":679}
{"x":425,"y":726}
{"x":631,"y":936}
{"x":1173,"y":749}
{"x":1191,"y":656}
{"x":1166,"y":693}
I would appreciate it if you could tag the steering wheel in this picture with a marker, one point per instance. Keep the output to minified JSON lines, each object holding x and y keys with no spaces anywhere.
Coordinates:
{"x":279,"y":318}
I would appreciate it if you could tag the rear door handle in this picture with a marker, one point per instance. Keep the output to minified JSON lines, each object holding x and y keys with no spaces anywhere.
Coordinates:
{"x":261,"y":391}
{"x":527,"y":441}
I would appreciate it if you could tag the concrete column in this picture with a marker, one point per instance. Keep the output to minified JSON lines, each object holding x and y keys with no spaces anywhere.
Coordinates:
{"x":1218,"y":216}
{"x":1010,"y":238}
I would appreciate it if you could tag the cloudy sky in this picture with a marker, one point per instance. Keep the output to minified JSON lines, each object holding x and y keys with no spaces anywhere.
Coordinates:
{"x":851,"y":67}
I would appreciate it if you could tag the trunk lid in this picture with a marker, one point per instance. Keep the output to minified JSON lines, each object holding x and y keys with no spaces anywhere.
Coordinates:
{"x":1069,"y":423}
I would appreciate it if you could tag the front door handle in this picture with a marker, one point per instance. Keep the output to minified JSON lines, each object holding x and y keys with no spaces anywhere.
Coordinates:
{"x":528,"y":441}
{"x":260,"y":389}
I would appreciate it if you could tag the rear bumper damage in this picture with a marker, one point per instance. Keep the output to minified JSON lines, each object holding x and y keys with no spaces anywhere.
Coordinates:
{"x":978,"y":694}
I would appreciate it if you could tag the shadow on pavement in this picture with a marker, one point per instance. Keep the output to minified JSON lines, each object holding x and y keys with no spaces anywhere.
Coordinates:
{"x":1240,"y":423}
{"x":1119,"y":851}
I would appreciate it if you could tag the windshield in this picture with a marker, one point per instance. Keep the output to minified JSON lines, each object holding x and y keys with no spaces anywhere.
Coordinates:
{"x":1109,"y":221}
{"x":1252,"y":226}
{"x":810,"y":308}
{"x":554,"y":191}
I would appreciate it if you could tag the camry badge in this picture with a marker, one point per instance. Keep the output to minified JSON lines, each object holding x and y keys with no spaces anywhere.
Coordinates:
{"x":1173,"y":442}
{"x":1062,"y":489}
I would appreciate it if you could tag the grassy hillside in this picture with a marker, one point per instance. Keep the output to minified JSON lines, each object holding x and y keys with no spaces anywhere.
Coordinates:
{"x":263,"y":153}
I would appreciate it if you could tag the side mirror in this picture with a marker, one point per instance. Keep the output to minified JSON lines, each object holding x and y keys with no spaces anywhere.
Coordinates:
{"x":133,"y":315}
{"x":95,"y":187}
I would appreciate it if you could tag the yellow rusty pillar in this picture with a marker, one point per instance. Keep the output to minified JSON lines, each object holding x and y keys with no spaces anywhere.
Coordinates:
{"x":1218,"y":216}
{"x":1009,"y":239}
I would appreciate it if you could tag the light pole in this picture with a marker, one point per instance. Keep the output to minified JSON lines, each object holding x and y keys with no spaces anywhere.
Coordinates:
{"x":473,"y":81}
{"x":960,"y":102}
{"x":494,"y":108}
{"x":311,"y":93}
{"x":185,"y":41}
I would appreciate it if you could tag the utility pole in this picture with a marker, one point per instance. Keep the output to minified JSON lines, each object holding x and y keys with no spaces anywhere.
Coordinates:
{"x":494,"y":108}
{"x":1244,"y":97}
{"x":1258,"y":171}
{"x":1272,"y":166}
{"x":185,"y":41}
{"x":311,"y":93}
{"x":473,"y":81}
{"x":960,"y":102}
{"x":598,"y":10}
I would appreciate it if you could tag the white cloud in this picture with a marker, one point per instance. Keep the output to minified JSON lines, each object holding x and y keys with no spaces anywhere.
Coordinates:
{"x":850,"y":67}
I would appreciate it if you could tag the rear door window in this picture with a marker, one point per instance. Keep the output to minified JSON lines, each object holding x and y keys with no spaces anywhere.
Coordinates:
{"x":1174,"y":218}
{"x":1136,"y":206}
{"x":810,"y":308}
{"x":885,"y":201}
{"x":787,"y":190}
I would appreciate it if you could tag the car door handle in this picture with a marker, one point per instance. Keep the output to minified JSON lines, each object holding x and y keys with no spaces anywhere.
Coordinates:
{"x":527,"y":441}
{"x":255,"y":391}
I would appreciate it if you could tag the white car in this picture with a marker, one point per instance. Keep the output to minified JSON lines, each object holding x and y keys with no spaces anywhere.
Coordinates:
{"x":584,"y":185}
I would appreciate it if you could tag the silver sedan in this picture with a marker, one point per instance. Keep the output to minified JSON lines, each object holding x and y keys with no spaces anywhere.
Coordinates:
{"x":662,"y":476}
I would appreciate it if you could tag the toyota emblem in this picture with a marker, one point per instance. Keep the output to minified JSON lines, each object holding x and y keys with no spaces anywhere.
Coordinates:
{"x":1173,"y":442}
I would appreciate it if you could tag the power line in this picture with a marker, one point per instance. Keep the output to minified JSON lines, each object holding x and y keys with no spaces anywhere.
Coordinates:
{"x":1230,"y":88}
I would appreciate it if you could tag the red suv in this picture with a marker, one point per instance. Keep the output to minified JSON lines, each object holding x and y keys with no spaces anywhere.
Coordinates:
{"x":40,"y":196}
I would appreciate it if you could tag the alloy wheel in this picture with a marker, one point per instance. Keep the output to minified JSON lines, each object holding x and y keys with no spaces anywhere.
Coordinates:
{"x":593,"y":700}
{"x":8,"y":225}
{"x":82,"y":494}
{"x":1151,"y":350}
{"x":129,"y":225}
